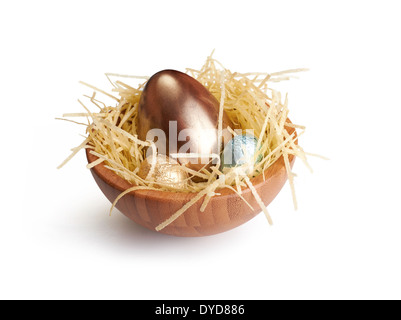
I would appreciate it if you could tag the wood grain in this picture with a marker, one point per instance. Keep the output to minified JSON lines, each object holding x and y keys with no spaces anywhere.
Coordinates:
{"x":149,"y":208}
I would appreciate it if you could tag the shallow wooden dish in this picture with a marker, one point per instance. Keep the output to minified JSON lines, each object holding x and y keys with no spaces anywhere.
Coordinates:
{"x":149,"y":208}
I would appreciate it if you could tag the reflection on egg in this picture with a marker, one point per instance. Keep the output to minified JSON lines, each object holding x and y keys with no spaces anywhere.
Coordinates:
{"x":185,"y":112}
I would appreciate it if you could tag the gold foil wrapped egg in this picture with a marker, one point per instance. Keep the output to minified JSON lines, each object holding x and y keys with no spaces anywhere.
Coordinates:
{"x":166,"y":173}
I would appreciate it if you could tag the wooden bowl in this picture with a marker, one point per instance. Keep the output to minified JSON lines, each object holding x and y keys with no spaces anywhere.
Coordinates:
{"x":149,"y":208}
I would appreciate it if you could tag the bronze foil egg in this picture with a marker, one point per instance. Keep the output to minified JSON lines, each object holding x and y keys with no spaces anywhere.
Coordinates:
{"x":186,"y":112}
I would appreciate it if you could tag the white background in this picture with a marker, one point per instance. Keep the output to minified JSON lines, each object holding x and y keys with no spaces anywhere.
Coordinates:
{"x":56,"y":238}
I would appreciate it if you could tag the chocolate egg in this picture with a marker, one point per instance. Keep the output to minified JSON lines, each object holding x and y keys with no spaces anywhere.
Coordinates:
{"x":167,"y":173}
{"x":240,"y":150}
{"x":186,"y":112}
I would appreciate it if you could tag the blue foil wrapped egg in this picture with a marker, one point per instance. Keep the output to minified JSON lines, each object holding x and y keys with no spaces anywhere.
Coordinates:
{"x":240,"y":150}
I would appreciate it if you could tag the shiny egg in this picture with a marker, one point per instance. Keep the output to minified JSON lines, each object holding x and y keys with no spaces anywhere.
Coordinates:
{"x":240,"y":150}
{"x":181,"y":108}
{"x":166,"y":173}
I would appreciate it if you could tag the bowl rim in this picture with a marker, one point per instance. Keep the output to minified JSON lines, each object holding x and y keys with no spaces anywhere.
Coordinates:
{"x":119,"y":183}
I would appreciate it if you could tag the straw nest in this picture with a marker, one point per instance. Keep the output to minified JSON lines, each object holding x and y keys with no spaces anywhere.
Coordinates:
{"x":248,"y":100}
